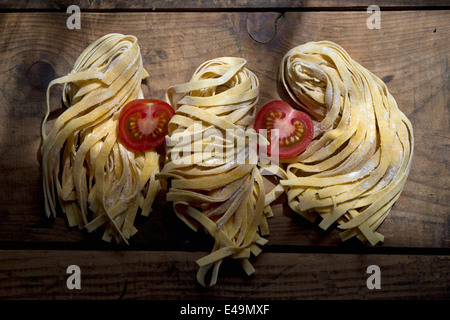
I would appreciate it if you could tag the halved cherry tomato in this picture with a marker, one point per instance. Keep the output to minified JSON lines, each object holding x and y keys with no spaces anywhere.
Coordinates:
{"x":296,"y":129}
{"x":143,"y":123}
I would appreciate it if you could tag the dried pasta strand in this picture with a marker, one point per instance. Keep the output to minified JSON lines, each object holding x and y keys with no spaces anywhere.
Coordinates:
{"x":98,"y":181}
{"x":357,"y":164}
{"x":225,"y":198}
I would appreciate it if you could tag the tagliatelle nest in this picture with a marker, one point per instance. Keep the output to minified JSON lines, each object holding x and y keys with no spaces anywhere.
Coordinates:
{"x":97,"y":181}
{"x":357,"y":164}
{"x":226,"y":198}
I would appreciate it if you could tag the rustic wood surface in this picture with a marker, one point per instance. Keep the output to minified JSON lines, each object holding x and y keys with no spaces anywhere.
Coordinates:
{"x":41,"y":274}
{"x":208,"y":5}
{"x":409,"y":52}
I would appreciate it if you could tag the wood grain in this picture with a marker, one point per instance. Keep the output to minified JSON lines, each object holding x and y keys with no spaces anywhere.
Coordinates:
{"x":407,"y":52}
{"x":208,"y":5}
{"x":410,"y":53}
{"x":140,"y":275}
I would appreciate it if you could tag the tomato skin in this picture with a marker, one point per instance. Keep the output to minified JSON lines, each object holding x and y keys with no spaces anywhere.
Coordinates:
{"x":143,"y":123}
{"x":296,"y":129}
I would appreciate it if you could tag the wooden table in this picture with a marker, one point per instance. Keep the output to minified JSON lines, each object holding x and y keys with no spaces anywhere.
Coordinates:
{"x":410,"y":52}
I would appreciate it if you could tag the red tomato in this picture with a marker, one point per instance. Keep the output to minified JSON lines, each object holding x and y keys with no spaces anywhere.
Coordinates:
{"x":143,"y":123}
{"x":296,"y":129}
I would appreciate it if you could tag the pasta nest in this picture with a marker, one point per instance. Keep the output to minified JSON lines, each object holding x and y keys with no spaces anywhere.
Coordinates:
{"x":220,"y":192}
{"x":357,"y":164}
{"x":95,"y":179}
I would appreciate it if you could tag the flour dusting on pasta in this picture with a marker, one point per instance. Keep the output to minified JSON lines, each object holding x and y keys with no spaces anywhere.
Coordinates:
{"x":225,"y":198}
{"x":95,"y":179}
{"x":357,"y":164}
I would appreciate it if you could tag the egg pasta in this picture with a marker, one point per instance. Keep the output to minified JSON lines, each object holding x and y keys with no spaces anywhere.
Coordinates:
{"x":357,"y":164}
{"x":217,"y":191}
{"x":96,"y":180}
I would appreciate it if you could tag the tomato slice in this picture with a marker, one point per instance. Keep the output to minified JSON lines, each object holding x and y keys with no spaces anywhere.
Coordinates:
{"x":143,"y":123}
{"x":296,"y":129}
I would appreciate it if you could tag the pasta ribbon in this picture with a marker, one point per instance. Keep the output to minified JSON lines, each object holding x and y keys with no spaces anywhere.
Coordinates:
{"x":98,"y":182}
{"x":357,"y":164}
{"x":220,"y":190}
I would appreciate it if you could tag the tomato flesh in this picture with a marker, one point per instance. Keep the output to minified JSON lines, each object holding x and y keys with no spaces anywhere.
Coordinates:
{"x":143,"y":123}
{"x":295,"y":128}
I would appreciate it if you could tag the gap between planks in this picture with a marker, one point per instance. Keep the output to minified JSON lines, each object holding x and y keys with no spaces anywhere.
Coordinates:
{"x":344,"y":248}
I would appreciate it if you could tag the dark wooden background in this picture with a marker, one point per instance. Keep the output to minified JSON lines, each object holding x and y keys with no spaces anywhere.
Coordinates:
{"x":410,"y":53}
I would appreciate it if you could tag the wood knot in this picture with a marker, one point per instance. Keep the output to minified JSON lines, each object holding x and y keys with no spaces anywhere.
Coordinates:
{"x":262,"y":26}
{"x":40,"y":74}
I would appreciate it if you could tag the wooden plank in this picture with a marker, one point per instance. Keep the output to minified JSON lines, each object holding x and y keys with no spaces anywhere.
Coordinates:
{"x":199,"y":5}
{"x":410,"y":52}
{"x":140,"y":275}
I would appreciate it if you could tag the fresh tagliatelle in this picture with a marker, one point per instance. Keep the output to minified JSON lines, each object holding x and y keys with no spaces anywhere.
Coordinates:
{"x":95,"y":179}
{"x":220,"y":190}
{"x":357,"y":164}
